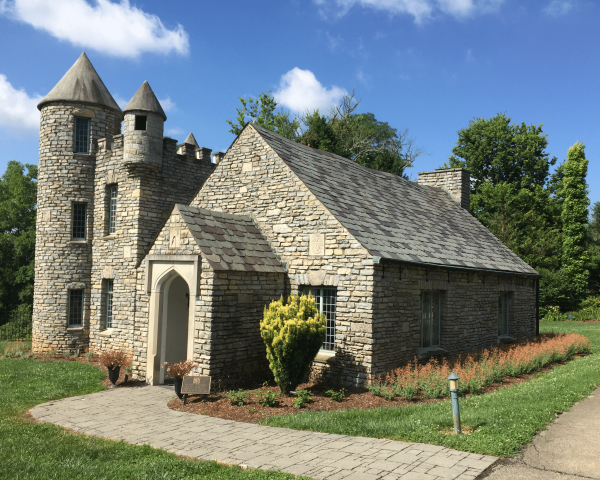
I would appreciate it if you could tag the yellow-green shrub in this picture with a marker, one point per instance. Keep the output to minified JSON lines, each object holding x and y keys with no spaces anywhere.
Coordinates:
{"x":293,"y":334}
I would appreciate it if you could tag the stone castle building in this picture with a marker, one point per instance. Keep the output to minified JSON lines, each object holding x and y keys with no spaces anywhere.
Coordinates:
{"x":156,"y":248}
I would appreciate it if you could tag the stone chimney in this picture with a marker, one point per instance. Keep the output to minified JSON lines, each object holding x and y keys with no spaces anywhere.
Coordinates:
{"x":455,"y":181}
{"x":217,"y":157}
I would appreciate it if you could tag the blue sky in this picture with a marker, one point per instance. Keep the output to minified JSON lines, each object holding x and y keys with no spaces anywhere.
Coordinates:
{"x":426,"y":65}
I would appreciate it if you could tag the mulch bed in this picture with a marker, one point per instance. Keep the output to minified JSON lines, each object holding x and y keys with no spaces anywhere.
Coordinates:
{"x":217,"y":404}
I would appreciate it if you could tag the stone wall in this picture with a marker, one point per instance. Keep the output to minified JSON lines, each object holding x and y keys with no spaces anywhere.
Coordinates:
{"x":251,"y":179}
{"x":469,"y":314}
{"x":60,"y":263}
{"x":455,"y":181}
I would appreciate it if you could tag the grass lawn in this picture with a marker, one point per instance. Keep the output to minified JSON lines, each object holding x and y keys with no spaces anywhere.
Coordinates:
{"x":504,"y":421}
{"x":48,"y":452}
{"x":5,"y":343}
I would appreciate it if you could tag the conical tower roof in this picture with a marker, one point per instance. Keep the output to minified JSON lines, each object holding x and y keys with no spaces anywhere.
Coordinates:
{"x":145,"y":100}
{"x":191,"y":140}
{"x":81,"y":84}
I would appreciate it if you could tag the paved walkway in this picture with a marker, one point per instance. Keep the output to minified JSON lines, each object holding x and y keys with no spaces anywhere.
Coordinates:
{"x":568,"y":449}
{"x":141,"y":416}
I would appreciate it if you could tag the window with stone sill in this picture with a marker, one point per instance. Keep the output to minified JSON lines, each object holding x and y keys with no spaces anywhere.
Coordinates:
{"x":112,"y":193}
{"x":431,"y":316}
{"x":82,"y":135}
{"x":76,"y":308}
{"x":78,"y":221}
{"x":504,"y":308}
{"x":325,"y":298}
{"x":108,"y":304}
{"x":141,"y":122}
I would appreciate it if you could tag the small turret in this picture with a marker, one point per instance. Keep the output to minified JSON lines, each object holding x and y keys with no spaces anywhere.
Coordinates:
{"x":144,"y":126}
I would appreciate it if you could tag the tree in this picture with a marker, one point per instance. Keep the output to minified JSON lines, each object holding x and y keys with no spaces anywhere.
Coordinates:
{"x":18,"y":197}
{"x":359,"y":137}
{"x":574,"y":218}
{"x":593,"y":239}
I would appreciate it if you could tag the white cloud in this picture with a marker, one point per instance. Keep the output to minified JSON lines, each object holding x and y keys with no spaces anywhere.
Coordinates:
{"x":421,"y":10}
{"x":117,"y":29}
{"x":175,"y":131}
{"x":18,"y":111}
{"x":558,"y":8}
{"x":167,"y":104}
{"x":334,"y":42}
{"x":299,"y":90}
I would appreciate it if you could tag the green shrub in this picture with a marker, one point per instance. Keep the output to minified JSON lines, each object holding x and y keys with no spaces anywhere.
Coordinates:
{"x":266,"y":399}
{"x":302,"y":397}
{"x":293,"y":334}
{"x":237,"y":398}
{"x":336,"y":395}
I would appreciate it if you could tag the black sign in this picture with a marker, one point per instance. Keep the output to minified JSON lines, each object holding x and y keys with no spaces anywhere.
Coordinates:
{"x":196,"y":385}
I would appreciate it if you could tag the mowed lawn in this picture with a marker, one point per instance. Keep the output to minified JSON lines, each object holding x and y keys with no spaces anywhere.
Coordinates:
{"x":47,"y":452}
{"x":503,"y":421}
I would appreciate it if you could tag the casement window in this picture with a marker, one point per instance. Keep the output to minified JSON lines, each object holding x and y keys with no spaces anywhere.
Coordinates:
{"x":76,"y":308}
{"x":78,"y":222}
{"x":504,"y":307}
{"x":113,"y":192}
{"x":431,"y":314}
{"x":82,"y":135}
{"x":108,"y":302}
{"x":326,"y":302}
{"x":140,"y":122}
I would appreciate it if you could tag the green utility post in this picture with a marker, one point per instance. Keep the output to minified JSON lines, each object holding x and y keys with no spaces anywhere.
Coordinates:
{"x":454,"y":394}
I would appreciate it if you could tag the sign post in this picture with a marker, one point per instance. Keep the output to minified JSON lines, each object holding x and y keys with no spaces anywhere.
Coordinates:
{"x":195,"y":385}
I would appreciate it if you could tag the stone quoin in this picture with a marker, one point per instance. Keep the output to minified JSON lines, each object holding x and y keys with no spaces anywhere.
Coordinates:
{"x":152,"y":247}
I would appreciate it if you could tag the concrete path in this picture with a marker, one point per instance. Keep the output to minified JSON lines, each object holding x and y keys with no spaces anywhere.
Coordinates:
{"x":140,"y":416}
{"x":568,"y":449}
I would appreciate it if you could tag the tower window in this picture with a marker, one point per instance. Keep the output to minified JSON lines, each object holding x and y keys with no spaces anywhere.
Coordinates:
{"x":82,"y":135}
{"x":109,"y":304}
{"x":75,"y":308}
{"x":140,"y":122}
{"x":113,"y":191}
{"x":79,"y":221}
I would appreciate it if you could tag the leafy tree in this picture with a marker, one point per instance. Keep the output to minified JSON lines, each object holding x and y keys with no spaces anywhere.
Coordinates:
{"x":18,"y":197}
{"x":574,"y":218}
{"x":593,"y":239}
{"x":293,"y":334}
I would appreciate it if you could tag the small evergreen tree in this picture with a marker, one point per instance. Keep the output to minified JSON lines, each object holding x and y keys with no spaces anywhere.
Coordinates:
{"x":293,"y":334}
{"x":574,"y":218}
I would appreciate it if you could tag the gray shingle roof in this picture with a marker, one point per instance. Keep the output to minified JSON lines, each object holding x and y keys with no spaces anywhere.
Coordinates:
{"x":394,"y":218}
{"x":145,"y":100}
{"x":82,"y":84}
{"x":230,"y":242}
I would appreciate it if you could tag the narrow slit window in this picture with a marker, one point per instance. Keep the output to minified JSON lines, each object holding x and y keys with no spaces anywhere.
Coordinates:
{"x":503,"y":313}
{"x":75,"y":308}
{"x":79,"y":221}
{"x":140,"y":122}
{"x":326,"y":303}
{"x":113,"y":192}
{"x":430,"y":319}
{"x":82,"y":135}
{"x":109,"y":304}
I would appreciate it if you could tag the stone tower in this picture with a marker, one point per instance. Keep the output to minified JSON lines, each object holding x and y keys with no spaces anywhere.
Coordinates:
{"x":76,"y":113}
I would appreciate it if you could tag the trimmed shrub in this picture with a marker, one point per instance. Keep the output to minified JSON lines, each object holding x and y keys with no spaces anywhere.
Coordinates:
{"x":293,"y":334}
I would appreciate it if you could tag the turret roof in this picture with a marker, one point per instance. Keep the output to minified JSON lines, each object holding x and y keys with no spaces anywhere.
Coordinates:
{"x":191,"y":140}
{"x":145,"y":100}
{"x":81,"y":84}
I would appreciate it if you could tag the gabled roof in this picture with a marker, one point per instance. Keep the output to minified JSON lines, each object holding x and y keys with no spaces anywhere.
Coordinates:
{"x":230,"y":242}
{"x":145,"y":100}
{"x":190,"y":139}
{"x":81,"y":84}
{"x":394,"y":218}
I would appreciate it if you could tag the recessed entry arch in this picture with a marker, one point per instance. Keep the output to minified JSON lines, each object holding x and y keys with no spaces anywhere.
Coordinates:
{"x":172,"y":283}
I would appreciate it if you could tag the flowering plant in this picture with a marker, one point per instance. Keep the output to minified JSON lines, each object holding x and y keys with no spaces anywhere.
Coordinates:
{"x":114,"y":358}
{"x":179,"y":369}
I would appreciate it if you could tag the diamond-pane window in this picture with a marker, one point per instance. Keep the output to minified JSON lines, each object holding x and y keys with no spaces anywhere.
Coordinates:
{"x":326,"y":302}
{"x":75,"y":308}
{"x":79,"y":221}
{"x":82,"y":135}
{"x":430,"y":318}
{"x":109,"y":304}
{"x":504,"y":300}
{"x":113,"y":192}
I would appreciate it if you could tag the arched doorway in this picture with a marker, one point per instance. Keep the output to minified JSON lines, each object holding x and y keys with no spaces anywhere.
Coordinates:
{"x":173,"y":322}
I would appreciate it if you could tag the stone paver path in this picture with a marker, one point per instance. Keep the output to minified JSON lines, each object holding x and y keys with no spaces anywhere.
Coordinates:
{"x":141,"y":416}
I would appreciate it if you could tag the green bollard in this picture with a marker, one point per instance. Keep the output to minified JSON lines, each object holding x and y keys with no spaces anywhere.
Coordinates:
{"x":454,"y":394}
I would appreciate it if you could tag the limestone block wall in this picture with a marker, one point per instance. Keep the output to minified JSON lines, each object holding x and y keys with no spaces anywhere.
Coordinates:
{"x":469,"y":313}
{"x":456,"y":181}
{"x":147,"y":195}
{"x":251,"y":179}
{"x":60,"y":263}
{"x":143,"y":146}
